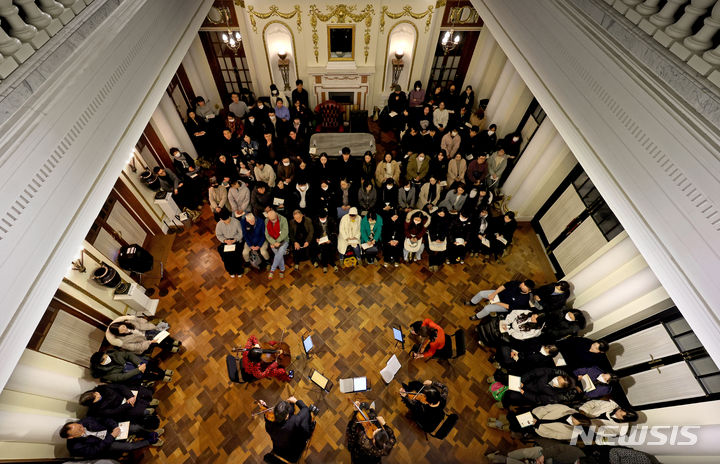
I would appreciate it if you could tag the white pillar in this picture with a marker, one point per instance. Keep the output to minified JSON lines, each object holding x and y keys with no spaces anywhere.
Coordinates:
{"x":484,"y":69}
{"x":528,"y":161}
{"x":171,"y":128}
{"x":31,"y":428}
{"x":509,"y":101}
{"x":553,"y":164}
{"x":616,"y":288}
{"x":53,"y":385}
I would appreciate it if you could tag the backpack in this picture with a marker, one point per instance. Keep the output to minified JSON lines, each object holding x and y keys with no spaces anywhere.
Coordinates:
{"x":497,"y":391}
{"x":349,"y":258}
{"x":254,"y":259}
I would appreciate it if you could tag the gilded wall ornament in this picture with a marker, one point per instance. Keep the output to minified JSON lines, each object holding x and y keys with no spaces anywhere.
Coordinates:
{"x":342,"y":14}
{"x":406,"y":11}
{"x":274,"y":11}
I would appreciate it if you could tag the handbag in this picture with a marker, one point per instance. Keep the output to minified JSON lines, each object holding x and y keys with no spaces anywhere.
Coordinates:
{"x":497,"y":391}
{"x":255,"y":259}
{"x":412,"y":247}
{"x":434,"y":246}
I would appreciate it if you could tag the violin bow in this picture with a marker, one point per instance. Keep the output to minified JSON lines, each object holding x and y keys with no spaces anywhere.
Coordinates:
{"x":418,"y":392}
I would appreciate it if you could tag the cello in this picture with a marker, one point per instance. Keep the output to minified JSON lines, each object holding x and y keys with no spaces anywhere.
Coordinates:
{"x":279,"y":351}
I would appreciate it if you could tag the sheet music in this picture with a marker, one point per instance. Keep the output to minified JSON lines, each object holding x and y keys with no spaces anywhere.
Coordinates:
{"x":319,"y":379}
{"x":587,"y":383}
{"x":161,"y":336}
{"x":366,"y":245}
{"x":501,"y":239}
{"x":514,"y":383}
{"x":124,"y":430}
{"x":360,"y":383}
{"x":525,"y":420}
{"x":391,"y":368}
{"x":485,"y":242}
{"x":559,"y":360}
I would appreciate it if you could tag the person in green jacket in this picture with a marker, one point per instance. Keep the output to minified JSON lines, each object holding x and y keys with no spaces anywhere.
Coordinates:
{"x":370,"y":236}
{"x":120,"y":366}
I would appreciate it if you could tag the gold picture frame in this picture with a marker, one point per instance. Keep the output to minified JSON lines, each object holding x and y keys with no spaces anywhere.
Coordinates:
{"x":330,"y":29}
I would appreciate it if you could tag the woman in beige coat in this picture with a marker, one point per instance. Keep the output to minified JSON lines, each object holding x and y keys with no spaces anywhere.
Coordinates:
{"x":387,"y":169}
{"x":456,"y":169}
{"x":138,"y":335}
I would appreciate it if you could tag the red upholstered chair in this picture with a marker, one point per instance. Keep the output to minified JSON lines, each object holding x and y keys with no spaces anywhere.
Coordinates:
{"x":329,"y":117}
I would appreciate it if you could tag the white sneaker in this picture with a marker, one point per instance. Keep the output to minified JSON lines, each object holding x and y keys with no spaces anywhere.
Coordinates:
{"x":232,"y":276}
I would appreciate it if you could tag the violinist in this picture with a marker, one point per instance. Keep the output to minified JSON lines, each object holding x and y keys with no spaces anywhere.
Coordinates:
{"x":429,"y":338}
{"x":426,"y":402}
{"x":289,"y":431}
{"x":368,"y":444}
{"x":252,"y":362}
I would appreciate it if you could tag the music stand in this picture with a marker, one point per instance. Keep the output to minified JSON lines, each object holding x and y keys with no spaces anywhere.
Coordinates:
{"x":398,"y":335}
{"x":307,"y":344}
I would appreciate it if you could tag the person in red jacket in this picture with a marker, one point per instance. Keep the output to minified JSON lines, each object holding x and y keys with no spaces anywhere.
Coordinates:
{"x":252,"y":364}
{"x":430,"y":335}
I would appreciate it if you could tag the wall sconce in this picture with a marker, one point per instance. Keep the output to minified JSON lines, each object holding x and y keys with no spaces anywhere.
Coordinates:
{"x":397,"y":66}
{"x":284,"y":65}
{"x":79,"y":264}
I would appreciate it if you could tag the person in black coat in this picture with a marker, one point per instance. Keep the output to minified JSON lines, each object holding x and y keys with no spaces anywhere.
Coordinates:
{"x":326,"y":197}
{"x":185,"y":167}
{"x":112,"y":366}
{"x":437,"y":235}
{"x":225,"y":170}
{"x":100,"y":440}
{"x":460,"y":232}
{"x":412,"y":141}
{"x":288,"y":431}
{"x":393,"y":236}
{"x":503,"y":233}
{"x":261,"y":199}
{"x":323,"y":170}
{"x":584,"y":352}
{"x":563,"y":323}
{"x":430,"y":414}
{"x":517,"y":360}
{"x":551,"y":297}
{"x":325,"y":226}
{"x":488,"y":140}
{"x":346,"y":168}
{"x":117,"y":402}
{"x":387,"y":198}
{"x":228,"y":144}
{"x":543,"y":385}
{"x":199,"y":132}
{"x":482,"y":232}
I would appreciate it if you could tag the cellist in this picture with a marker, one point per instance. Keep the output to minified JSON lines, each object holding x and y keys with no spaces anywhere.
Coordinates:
{"x":430,"y":337}
{"x":252,"y":362}
{"x":363,"y":448}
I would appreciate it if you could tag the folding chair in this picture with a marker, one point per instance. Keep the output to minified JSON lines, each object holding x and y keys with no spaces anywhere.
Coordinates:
{"x":235,"y":372}
{"x":446,"y":426}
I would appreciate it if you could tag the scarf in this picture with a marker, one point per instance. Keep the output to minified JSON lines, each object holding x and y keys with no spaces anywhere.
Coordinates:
{"x":302,"y":196}
{"x":273,"y":228}
{"x":432,"y":192}
{"x":183,"y":160}
{"x":539,"y":422}
{"x":483,"y":224}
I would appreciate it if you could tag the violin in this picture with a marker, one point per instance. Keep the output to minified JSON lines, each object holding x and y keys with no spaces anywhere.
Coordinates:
{"x":368,"y":424}
{"x":269,"y":413}
{"x":419,"y":396}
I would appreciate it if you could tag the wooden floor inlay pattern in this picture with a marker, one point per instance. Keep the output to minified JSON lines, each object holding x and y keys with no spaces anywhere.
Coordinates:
{"x":349,"y":313}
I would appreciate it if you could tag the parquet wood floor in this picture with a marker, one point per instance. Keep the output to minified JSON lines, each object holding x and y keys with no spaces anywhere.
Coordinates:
{"x":349,"y":313}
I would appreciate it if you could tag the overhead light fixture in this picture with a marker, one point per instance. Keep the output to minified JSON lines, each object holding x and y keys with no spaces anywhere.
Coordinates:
{"x":231,"y":39}
{"x":448,"y":44}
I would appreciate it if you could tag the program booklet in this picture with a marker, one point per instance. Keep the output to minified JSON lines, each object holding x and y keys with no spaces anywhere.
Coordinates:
{"x":587,"y":383}
{"x":514,"y":383}
{"x":124,"y":430}
{"x":525,"y":420}
{"x":353,"y":384}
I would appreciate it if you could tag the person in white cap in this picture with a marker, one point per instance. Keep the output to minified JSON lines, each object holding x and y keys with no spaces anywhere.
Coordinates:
{"x":349,"y":232}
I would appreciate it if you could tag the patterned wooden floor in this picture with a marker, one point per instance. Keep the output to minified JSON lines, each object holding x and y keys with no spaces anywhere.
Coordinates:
{"x":349,"y":313}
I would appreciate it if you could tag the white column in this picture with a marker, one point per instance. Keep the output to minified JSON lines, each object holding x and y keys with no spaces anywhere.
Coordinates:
{"x":170,"y":126}
{"x":509,"y":101}
{"x":483,"y":73}
{"x":616,"y":288}
{"x":31,"y":428}
{"x":552,"y":166}
{"x":528,"y":161}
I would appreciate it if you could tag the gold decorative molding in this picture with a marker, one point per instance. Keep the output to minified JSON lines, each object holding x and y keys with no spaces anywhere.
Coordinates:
{"x":406,"y":11}
{"x":240,"y":3}
{"x":440,"y":3}
{"x":342,"y":14}
{"x":274,"y":11}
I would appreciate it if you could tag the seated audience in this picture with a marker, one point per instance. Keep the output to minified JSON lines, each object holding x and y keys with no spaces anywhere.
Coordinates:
{"x":96,"y":437}
{"x":555,"y":421}
{"x":511,"y":295}
{"x":456,"y":168}
{"x":406,"y":197}
{"x":120,"y":403}
{"x":429,"y":196}
{"x":138,"y":335}
{"x":229,"y":232}
{"x":349,"y":233}
{"x":564,"y":323}
{"x":387,"y":169}
{"x":438,"y":238}
{"x":582,"y":352}
{"x":393,"y":238}
{"x":416,"y":225}
{"x":370,"y":236}
{"x":455,"y":199}
{"x":255,"y":248}
{"x":276,"y":234}
{"x":118,"y":366}
{"x":540,"y":386}
{"x":601,"y":382}
{"x":459,"y":235}
{"x":301,"y":236}
{"x":218,"y":197}
{"x":367,"y":198}
{"x":260,"y":199}
{"x":550,"y":297}
{"x":326,"y":240}
{"x":519,"y":325}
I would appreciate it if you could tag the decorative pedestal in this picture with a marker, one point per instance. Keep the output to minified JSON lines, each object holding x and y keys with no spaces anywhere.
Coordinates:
{"x":138,"y":301}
